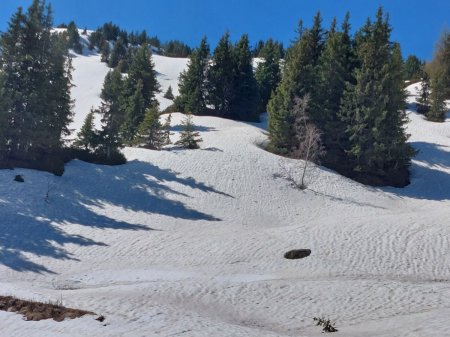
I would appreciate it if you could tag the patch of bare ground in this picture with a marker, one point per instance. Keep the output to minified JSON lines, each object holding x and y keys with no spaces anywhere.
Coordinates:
{"x":37,"y":311}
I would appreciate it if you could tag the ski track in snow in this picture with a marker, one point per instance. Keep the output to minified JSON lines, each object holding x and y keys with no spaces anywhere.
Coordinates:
{"x":191,"y":243}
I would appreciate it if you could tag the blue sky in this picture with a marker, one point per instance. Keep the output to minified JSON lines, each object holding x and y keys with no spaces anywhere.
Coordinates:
{"x":417,"y":24}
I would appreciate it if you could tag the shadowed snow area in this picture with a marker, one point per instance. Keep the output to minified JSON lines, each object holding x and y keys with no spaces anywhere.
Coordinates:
{"x":191,"y":243}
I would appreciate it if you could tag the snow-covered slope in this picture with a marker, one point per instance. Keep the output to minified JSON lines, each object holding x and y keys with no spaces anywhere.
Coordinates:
{"x":191,"y":243}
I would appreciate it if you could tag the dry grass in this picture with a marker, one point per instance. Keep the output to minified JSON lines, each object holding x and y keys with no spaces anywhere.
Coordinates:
{"x":36,"y":311}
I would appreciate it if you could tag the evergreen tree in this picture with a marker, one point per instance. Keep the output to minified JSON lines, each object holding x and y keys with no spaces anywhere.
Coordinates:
{"x":169,"y":93}
{"x":139,"y":92}
{"x":105,"y":51}
{"x":135,"y":112}
{"x":437,"y":97}
{"x":73,"y":38}
{"x":246,"y":96}
{"x":441,"y":63}
{"x":36,"y":82}
{"x":117,"y":54}
{"x":268,"y":73}
{"x":373,"y":108}
{"x":423,"y":101}
{"x":111,"y":113}
{"x":221,"y":78}
{"x":87,"y":137}
{"x":189,"y":138}
{"x":193,"y":82}
{"x":166,"y":130}
{"x":151,"y":134}
{"x":299,"y":79}
{"x":334,"y":71}
{"x":142,"y":69}
{"x":412,"y":68}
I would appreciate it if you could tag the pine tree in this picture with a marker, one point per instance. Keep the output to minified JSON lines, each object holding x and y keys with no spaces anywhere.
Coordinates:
{"x":441,"y":62}
{"x":73,"y":40}
{"x":412,"y":68}
{"x":142,"y":69}
{"x":437,"y":97}
{"x":299,"y":79}
{"x":268,"y":73}
{"x":135,"y":112}
{"x":246,"y":98}
{"x":423,"y":101}
{"x":151,"y":134}
{"x":112,"y":115}
{"x":169,"y":93}
{"x":334,"y":71}
{"x":373,"y":108}
{"x":36,"y":80}
{"x":4,"y":119}
{"x":166,"y":130}
{"x":189,"y":138}
{"x":117,"y":54}
{"x":193,"y":82}
{"x":87,"y":137}
{"x":221,"y":78}
{"x":105,"y":51}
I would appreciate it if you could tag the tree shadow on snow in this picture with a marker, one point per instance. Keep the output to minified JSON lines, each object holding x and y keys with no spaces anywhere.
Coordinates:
{"x":428,"y":180}
{"x":32,"y":225}
{"x":199,"y":128}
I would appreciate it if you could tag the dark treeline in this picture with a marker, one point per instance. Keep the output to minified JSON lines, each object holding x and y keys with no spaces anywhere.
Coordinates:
{"x":351,"y":88}
{"x":225,"y":84}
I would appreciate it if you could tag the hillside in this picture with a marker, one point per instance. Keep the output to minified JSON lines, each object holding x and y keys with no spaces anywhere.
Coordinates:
{"x":191,"y":243}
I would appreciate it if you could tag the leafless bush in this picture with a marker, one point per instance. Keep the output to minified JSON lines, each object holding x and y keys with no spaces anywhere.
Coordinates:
{"x":307,"y":144}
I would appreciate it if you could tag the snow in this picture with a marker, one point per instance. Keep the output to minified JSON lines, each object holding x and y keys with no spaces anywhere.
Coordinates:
{"x":191,"y":243}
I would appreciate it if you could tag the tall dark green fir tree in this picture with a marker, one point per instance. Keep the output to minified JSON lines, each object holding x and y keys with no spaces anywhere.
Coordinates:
{"x":299,"y":79}
{"x":221,"y":78}
{"x":334,"y":71}
{"x":193,"y":82}
{"x":246,"y":96}
{"x":374,"y":109}
{"x":268,"y":73}
{"x":36,"y":74}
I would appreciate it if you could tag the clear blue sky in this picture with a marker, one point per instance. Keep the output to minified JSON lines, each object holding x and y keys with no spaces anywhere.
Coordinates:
{"x":417,"y":24}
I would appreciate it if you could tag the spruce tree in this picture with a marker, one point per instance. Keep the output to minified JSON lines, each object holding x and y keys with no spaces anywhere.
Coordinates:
{"x":135,"y":112}
{"x":117,"y":54}
{"x":334,"y":71}
{"x":112,"y":115}
{"x":246,"y":96}
{"x":221,"y":78}
{"x":189,"y":138}
{"x":139,"y":92}
{"x":438,"y":106}
{"x":105,"y":51}
{"x":299,"y":80}
{"x":374,"y":108}
{"x":166,"y":130}
{"x":412,"y":68}
{"x":73,"y":40}
{"x":423,"y":101}
{"x":193,"y":82}
{"x":36,"y":80}
{"x":142,"y":69}
{"x":151,"y":133}
{"x":87,"y":137}
{"x":169,"y":94}
{"x":268,"y":73}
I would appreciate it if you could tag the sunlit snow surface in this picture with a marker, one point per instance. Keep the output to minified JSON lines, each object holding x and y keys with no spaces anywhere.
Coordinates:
{"x":191,"y":243}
